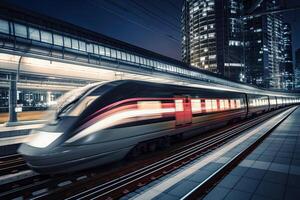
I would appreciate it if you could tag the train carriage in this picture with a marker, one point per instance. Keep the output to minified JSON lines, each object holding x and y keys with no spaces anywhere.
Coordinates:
{"x":103,"y":122}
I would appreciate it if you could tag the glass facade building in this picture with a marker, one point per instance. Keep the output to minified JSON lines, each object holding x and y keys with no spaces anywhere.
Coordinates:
{"x":268,"y":49}
{"x":212,"y":36}
{"x":297,"y":69}
{"x":288,"y":77}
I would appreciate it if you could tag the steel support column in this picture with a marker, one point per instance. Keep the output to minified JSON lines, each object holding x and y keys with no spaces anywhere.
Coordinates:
{"x":13,"y":98}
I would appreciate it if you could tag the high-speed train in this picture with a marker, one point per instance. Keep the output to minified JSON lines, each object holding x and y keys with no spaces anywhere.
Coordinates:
{"x":104,"y":122}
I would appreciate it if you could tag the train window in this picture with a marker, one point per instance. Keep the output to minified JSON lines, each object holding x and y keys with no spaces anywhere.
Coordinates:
{"x":20,"y":30}
{"x":178,"y":105}
{"x":208,"y":105}
{"x":226,"y":104}
{"x":222,"y":104}
{"x":272,"y":101}
{"x":77,"y":110}
{"x":214,"y":104}
{"x":58,"y":40}
{"x":232,"y":104}
{"x":4,"y":27}
{"x":34,"y":34}
{"x":196,"y":105}
{"x":74,"y":44}
{"x":238,"y":103}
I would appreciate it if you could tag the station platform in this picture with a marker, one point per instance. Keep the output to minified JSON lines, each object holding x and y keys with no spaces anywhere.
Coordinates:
{"x":271,"y":171}
{"x":22,"y":129}
{"x":12,"y":136}
{"x":275,"y":165}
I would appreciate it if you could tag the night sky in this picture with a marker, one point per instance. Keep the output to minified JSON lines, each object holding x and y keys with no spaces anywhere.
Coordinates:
{"x":150,"y":24}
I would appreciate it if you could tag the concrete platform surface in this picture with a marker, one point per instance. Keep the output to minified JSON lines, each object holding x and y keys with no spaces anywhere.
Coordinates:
{"x":271,"y":171}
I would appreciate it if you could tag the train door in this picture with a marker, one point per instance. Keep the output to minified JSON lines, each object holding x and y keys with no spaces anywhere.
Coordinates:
{"x":183,"y":110}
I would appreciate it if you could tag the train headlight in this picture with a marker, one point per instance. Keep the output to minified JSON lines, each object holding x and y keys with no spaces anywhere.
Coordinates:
{"x":42,"y":139}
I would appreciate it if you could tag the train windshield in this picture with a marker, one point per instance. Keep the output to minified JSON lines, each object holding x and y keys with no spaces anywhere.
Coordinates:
{"x":66,"y":102}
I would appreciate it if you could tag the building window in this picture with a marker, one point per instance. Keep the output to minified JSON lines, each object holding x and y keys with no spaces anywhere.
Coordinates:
{"x":82,"y":46}
{"x":4,"y":26}
{"x":211,"y":35}
{"x":119,"y":55}
{"x":46,"y":37}
{"x":113,"y":53}
{"x":34,"y":34}
{"x":89,"y":48}
{"x":67,"y":42}
{"x":20,"y":30}
{"x":101,"y":50}
{"x":212,"y":57}
{"x":107,"y":52}
{"x":74,"y":44}
{"x":58,"y":40}
{"x":96,"y":49}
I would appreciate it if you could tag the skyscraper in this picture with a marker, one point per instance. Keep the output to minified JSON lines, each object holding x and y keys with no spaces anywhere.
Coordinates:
{"x":264,"y":47}
{"x":287,"y":73}
{"x":297,"y":70}
{"x":212,"y":36}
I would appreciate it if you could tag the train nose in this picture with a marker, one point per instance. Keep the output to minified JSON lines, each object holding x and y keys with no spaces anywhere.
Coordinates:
{"x":38,"y":146}
{"x":42,"y":139}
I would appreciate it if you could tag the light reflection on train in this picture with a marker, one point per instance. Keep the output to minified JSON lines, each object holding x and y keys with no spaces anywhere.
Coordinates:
{"x":105,"y":122}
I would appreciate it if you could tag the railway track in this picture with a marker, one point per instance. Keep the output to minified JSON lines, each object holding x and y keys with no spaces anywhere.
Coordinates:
{"x":12,"y":164}
{"x":93,"y":185}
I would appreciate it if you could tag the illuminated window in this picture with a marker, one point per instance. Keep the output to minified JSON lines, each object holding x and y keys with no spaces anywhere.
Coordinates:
{"x":238,"y":103}
{"x":222,"y":104}
{"x":214,"y":104}
{"x":179,"y":105}
{"x":196,"y":105}
{"x":208,"y":105}
{"x":232,"y":104}
{"x":226,"y":104}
